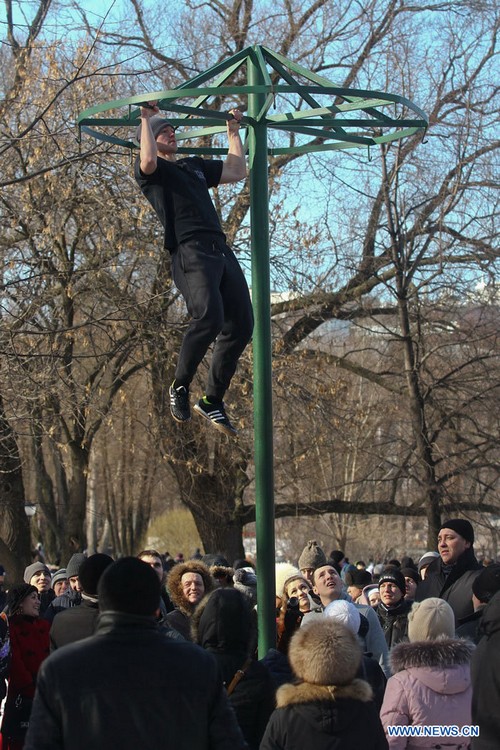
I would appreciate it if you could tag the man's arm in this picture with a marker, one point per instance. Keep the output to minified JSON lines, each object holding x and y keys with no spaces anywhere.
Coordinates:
{"x":149,"y":151}
{"x":234,"y":168}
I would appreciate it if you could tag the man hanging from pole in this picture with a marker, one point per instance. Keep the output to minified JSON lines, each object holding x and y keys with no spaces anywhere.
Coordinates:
{"x":204,"y":268}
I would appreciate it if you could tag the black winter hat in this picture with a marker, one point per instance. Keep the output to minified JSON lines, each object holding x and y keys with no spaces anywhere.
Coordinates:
{"x":336,"y":556}
{"x":219,"y":560}
{"x":129,"y":586}
{"x":358,"y":578}
{"x":395,"y":576}
{"x":487,"y":583}
{"x":158,"y":123}
{"x":16,"y":596}
{"x":411,"y":573}
{"x":461,"y":526}
{"x":91,"y":570}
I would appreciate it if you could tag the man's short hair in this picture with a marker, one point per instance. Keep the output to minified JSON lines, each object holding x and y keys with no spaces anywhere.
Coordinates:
{"x":130,"y":586}
{"x":149,"y":553}
{"x":328,"y":564}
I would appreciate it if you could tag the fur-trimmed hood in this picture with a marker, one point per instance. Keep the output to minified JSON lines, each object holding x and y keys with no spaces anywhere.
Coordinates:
{"x":334,"y":716}
{"x":444,"y":652}
{"x":304,"y":692}
{"x":174,"y":586}
{"x":442,"y":665}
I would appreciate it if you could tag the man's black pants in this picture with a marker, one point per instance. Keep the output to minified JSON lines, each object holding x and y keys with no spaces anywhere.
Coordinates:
{"x":209,"y":277}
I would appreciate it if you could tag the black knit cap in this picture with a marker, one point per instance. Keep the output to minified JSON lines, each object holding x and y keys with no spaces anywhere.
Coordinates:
{"x":461,"y":526}
{"x":487,"y":583}
{"x":395,"y":576}
{"x":358,"y":578}
{"x":91,"y":570}
{"x":130,"y":586}
{"x":16,"y":596}
{"x":411,"y":573}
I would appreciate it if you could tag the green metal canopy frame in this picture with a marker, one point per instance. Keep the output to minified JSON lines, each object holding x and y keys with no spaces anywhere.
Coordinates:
{"x":289,"y":110}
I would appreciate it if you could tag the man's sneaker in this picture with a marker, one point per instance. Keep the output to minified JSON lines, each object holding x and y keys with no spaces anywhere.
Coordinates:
{"x":179,"y":403}
{"x":216,"y":414}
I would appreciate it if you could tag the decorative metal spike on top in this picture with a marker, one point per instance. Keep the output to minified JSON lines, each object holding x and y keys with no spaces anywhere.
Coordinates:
{"x":288,"y":110}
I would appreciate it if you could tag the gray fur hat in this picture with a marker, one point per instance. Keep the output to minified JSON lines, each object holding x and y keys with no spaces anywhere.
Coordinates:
{"x":245,"y":581}
{"x":312,"y":556}
{"x":325,"y":652}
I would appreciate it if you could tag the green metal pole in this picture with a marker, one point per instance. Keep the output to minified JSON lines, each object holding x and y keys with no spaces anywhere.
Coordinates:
{"x":263,"y":417}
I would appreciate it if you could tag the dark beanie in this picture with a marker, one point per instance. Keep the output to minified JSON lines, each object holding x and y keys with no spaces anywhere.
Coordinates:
{"x":75,"y":563}
{"x":336,"y":556}
{"x":461,"y":526}
{"x":395,"y":576}
{"x":487,"y":583}
{"x":219,"y":560}
{"x":411,"y":573}
{"x":312,"y":556}
{"x":35,"y":567}
{"x":130,"y":586}
{"x":157,"y":122}
{"x":91,"y":570}
{"x":358,"y":578}
{"x":16,"y":596}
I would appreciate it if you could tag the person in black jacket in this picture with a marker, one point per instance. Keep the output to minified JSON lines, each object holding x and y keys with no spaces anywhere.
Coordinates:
{"x":485,"y":670}
{"x":204,"y":268}
{"x":393,"y":608}
{"x":329,"y":707}
{"x":223,"y":624}
{"x":75,"y":623}
{"x":129,"y":686}
{"x":484,"y":588}
{"x":451,"y":575}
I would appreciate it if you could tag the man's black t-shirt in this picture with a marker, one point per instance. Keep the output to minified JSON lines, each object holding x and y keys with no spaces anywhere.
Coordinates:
{"x":178,"y":192}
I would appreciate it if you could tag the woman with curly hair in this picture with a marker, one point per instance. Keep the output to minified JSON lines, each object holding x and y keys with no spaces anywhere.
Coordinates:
{"x":187,"y":584}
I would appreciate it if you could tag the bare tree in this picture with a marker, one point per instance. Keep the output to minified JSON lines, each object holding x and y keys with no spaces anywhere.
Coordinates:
{"x":388,"y":244}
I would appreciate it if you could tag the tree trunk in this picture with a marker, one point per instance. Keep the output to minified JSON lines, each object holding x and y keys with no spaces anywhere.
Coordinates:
{"x":74,"y":538}
{"x":15,"y":552}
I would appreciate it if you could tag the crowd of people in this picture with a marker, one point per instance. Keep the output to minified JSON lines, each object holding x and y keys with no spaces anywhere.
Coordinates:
{"x":149,"y":651}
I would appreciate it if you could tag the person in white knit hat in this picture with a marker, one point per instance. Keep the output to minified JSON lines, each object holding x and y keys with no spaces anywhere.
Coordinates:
{"x":431,"y":682}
